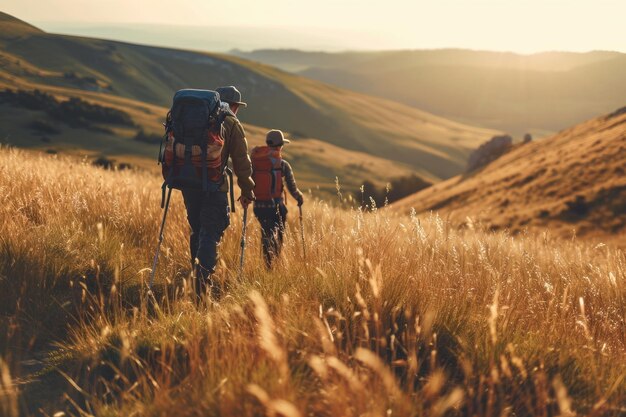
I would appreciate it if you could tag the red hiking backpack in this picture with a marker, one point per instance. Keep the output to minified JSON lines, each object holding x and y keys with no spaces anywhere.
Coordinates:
{"x":267,"y":172}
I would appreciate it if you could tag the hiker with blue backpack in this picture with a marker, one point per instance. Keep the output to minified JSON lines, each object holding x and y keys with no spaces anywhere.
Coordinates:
{"x":269,"y":171}
{"x":202,"y":133}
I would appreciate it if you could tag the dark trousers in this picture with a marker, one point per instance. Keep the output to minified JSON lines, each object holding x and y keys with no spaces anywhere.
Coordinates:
{"x":273,"y":220}
{"x":208,"y":215}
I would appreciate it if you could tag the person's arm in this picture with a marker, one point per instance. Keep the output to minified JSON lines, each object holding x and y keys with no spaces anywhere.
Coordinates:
{"x":242,"y":166}
{"x":290,"y":181}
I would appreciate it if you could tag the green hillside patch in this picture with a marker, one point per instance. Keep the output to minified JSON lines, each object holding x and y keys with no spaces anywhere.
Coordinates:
{"x":38,"y":130}
{"x":73,"y":112}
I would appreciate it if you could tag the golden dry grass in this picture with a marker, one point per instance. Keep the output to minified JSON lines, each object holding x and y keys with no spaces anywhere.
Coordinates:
{"x":388,"y":315}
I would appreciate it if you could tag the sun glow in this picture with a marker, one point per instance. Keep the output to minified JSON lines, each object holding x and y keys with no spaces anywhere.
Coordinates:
{"x":521,"y":26}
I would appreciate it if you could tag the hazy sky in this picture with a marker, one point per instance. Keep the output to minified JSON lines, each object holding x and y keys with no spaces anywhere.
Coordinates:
{"x":515,"y":25}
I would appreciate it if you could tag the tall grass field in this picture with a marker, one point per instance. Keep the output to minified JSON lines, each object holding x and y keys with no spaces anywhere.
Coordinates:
{"x":385,"y":316}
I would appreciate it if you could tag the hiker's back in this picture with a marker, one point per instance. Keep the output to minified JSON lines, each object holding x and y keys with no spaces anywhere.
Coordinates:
{"x":267,"y":173}
{"x":269,"y":169}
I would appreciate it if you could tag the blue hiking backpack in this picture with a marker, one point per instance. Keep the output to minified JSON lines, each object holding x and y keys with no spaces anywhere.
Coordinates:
{"x":193,"y":143}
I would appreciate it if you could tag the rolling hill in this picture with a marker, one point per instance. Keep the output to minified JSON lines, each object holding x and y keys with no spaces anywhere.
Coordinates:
{"x":432,"y":146}
{"x":540,"y":93}
{"x":318,"y":163}
{"x":572,"y":181}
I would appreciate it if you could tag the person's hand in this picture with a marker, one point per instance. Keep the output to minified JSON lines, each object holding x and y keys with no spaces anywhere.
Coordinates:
{"x":245,"y":201}
{"x":300,"y":200}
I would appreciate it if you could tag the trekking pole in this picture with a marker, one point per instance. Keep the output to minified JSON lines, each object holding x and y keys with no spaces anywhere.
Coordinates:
{"x":158,"y":250}
{"x":243,"y":240}
{"x":302,"y":233}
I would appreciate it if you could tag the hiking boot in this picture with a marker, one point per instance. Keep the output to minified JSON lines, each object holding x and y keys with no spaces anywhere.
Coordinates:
{"x":215,"y":291}
{"x":205,"y":285}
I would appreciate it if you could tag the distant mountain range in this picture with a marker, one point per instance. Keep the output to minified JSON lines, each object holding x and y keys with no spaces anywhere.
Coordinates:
{"x":540,"y":93}
{"x":127,"y":75}
{"x":217,"y":38}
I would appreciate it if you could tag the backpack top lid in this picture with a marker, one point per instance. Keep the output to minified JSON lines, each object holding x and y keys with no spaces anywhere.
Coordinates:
{"x":210,"y":97}
{"x":266,"y":152}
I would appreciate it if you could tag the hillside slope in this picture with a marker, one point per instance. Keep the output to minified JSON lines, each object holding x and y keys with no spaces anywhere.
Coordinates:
{"x":574,"y":180}
{"x":432,"y":145}
{"x":536,"y":93}
{"x":317,"y":163}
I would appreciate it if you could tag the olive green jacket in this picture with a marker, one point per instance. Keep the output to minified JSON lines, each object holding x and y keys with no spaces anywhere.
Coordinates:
{"x":236,"y":147}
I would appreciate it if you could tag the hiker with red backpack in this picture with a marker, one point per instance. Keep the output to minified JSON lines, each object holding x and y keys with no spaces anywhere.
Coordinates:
{"x":269,"y":170}
{"x":202,"y":132}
